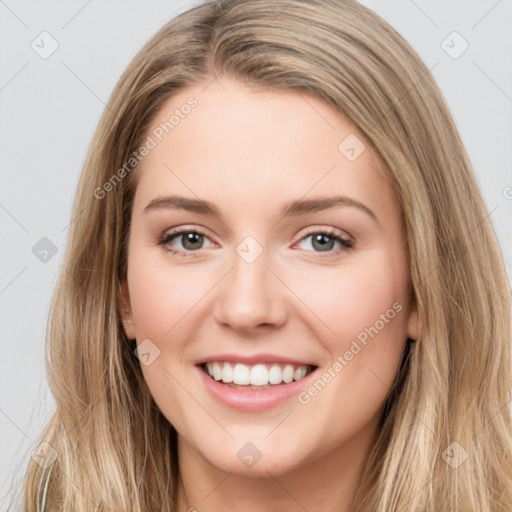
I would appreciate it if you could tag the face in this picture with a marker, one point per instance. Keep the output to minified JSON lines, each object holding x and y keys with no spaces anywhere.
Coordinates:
{"x":238,"y":267}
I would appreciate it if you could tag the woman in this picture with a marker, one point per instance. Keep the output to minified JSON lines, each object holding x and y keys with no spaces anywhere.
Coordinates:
{"x":281,"y":289}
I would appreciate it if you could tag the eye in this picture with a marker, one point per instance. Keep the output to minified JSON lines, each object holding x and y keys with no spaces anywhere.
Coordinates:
{"x":191,"y":240}
{"x":324,"y":241}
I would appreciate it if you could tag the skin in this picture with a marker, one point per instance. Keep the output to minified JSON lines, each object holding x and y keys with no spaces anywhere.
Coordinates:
{"x":250,"y":151}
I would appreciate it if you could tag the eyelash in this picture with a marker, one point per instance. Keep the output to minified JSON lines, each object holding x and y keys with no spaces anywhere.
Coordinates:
{"x":346,"y":244}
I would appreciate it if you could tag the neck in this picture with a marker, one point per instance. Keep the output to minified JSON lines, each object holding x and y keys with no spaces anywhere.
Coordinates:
{"x":327,"y":483}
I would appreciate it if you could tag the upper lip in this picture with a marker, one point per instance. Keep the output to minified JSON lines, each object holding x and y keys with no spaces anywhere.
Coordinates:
{"x":252,"y":359}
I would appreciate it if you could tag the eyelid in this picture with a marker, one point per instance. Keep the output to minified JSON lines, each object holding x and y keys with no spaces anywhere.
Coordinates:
{"x":345,"y":240}
{"x":176,"y":232}
{"x":328,"y":230}
{"x":344,"y":237}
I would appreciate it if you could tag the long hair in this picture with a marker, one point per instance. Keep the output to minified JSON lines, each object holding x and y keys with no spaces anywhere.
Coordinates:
{"x":445,"y":439}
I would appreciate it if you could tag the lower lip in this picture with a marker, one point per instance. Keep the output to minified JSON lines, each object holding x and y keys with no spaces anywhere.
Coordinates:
{"x":252,"y":399}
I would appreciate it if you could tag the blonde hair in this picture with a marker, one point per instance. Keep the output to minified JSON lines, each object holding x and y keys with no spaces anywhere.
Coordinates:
{"x":113,"y":446}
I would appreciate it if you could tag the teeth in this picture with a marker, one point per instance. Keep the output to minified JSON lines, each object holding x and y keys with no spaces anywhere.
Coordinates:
{"x":299,"y":373}
{"x":288,"y":373}
{"x":217,"y":371}
{"x":275,"y":375}
{"x":227,"y":373}
{"x":241,"y":374}
{"x":256,"y":375}
{"x":259,"y":375}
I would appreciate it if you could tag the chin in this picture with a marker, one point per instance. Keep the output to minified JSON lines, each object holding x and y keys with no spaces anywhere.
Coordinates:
{"x":254,"y":457}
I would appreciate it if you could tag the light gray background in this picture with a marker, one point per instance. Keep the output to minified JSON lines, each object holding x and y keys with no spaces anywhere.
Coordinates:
{"x":50,"y":108}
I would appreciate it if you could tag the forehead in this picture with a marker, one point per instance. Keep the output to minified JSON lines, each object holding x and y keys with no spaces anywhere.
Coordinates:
{"x":257,"y":146}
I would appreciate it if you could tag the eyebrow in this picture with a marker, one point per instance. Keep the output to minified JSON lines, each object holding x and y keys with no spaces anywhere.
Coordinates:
{"x":292,"y":208}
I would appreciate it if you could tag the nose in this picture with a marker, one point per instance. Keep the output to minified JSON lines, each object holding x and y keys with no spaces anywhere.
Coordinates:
{"x":251,"y":296}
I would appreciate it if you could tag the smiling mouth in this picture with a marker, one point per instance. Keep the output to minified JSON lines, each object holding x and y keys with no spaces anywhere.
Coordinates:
{"x":256,"y":376}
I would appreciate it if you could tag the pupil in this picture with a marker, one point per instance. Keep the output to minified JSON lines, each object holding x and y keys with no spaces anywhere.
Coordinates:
{"x":192,"y":238}
{"x":324,"y":241}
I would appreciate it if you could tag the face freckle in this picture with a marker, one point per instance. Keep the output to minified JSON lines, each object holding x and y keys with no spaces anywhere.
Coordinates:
{"x":256,"y":288}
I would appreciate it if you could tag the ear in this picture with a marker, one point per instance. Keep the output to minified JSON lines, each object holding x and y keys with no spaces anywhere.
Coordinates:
{"x":125,"y":309}
{"x":413,"y":331}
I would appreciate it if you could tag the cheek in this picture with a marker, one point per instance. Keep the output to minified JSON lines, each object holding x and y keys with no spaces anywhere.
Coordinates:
{"x":164,"y":300}
{"x":164,"y":295}
{"x":357,"y":299}
{"x":367,"y":310}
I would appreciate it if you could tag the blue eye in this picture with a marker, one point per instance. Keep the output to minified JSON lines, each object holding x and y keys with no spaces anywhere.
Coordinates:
{"x":192,"y":241}
{"x":324,"y":241}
